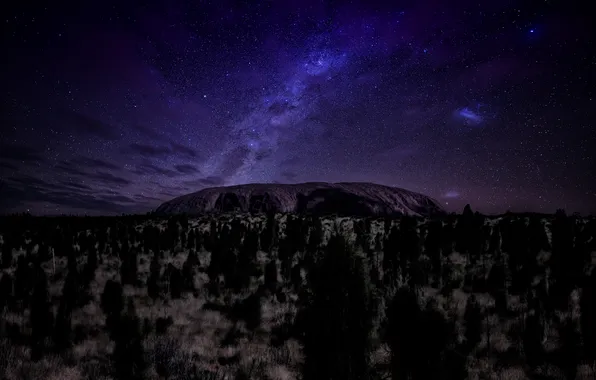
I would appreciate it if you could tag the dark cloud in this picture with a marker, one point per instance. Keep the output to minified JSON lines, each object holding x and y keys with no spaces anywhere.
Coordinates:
{"x":20,"y":153}
{"x":151,"y":169}
{"x":150,"y":151}
{"x":168,"y":194}
{"x":279,"y":108}
{"x":109,"y":178}
{"x":81,"y":123}
{"x":233,"y":161}
{"x":94,"y":163}
{"x":213,"y":181}
{"x":183,"y":150}
{"x":118,"y":198}
{"x":263,"y":154}
{"x":75,"y":185}
{"x":69,"y":168}
{"x":162,"y":151}
{"x":290,"y":176}
{"x":186,"y":169}
{"x":106,"y":178}
{"x":206,"y":181}
{"x":148,"y":132}
{"x":170,"y":147}
{"x":147,"y":198}
{"x":11,"y":194}
{"x":290,"y":162}
{"x":6,"y":165}
{"x":66,"y":196}
{"x":173,"y":189}
{"x":28,"y":182}
{"x":62,"y":189}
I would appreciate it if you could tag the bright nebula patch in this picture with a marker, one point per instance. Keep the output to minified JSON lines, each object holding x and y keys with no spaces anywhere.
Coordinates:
{"x":451,"y":194}
{"x":320,"y":62}
{"x":469,"y":116}
{"x":282,"y":108}
{"x":473,"y":115}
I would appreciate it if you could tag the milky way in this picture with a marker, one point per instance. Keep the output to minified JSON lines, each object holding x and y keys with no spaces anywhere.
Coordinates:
{"x":116,"y":107}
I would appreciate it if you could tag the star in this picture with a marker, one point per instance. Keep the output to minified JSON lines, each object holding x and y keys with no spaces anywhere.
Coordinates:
{"x":117,"y":108}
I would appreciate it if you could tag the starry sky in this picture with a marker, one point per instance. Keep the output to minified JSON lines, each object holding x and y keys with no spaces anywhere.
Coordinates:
{"x":116,"y":106}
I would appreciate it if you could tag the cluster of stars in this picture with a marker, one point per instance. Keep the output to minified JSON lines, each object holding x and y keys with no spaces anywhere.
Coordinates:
{"x":118,"y":108}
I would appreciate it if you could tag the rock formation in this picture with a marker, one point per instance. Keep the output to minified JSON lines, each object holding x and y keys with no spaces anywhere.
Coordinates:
{"x":354,"y":198}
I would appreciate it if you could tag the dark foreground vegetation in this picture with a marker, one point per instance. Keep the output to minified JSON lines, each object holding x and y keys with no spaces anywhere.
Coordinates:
{"x":298,"y":297}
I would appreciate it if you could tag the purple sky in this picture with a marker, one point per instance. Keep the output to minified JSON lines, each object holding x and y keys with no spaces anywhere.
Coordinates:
{"x":117,"y":106}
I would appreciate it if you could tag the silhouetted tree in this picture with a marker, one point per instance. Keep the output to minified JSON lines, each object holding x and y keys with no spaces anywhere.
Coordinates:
{"x":22,"y":283}
{"x":473,"y":320}
{"x":403,"y":333}
{"x":295,"y":233}
{"x":245,"y":263}
{"x":378,"y":243}
{"x":464,"y":230}
{"x":409,"y":245}
{"x":188,"y":270}
{"x":6,"y":255}
{"x":175,"y":280}
{"x":296,"y":276}
{"x":568,"y":352}
{"x":153,"y":288}
{"x":285,"y":267}
{"x":537,"y":236}
{"x":362,"y":235}
{"x":285,"y":252}
{"x":233,"y":233}
{"x":271,"y":276}
{"x":387,"y":226}
{"x":162,"y":324}
{"x":432,"y":248}
{"x":63,"y":326}
{"x":494,"y":246}
{"x":436,"y":334}
{"x":375,"y":276}
{"x":250,"y":311}
{"x":339,"y":318}
{"x":90,"y":267}
{"x":41,"y":317}
{"x":315,"y":237}
{"x":250,"y":246}
{"x":566,"y":266}
{"x":128,"y":349}
{"x":173,"y":232}
{"x":198,"y":240}
{"x":497,"y":287}
{"x":447,"y":238}
{"x":390,"y":256}
{"x":129,"y":268}
{"x":587,"y":318}
{"x":216,"y":264}
{"x":532,"y":337}
{"x":112,"y":303}
{"x":183,"y":237}
{"x":6,"y":291}
{"x":191,"y":243}
{"x":521,"y":260}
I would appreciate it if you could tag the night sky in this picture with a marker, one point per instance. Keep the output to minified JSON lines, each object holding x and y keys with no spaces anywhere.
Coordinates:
{"x":112,"y":107}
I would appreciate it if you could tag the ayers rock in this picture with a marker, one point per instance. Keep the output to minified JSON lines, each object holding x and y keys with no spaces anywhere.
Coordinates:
{"x":353,"y":198}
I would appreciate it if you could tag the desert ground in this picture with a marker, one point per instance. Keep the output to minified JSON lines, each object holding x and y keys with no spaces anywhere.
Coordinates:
{"x":283,"y":296}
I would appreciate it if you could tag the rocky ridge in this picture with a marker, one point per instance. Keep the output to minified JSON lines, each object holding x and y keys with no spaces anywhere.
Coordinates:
{"x":347,"y":198}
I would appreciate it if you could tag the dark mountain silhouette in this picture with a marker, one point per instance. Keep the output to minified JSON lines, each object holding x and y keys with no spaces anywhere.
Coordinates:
{"x":313,"y":197}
